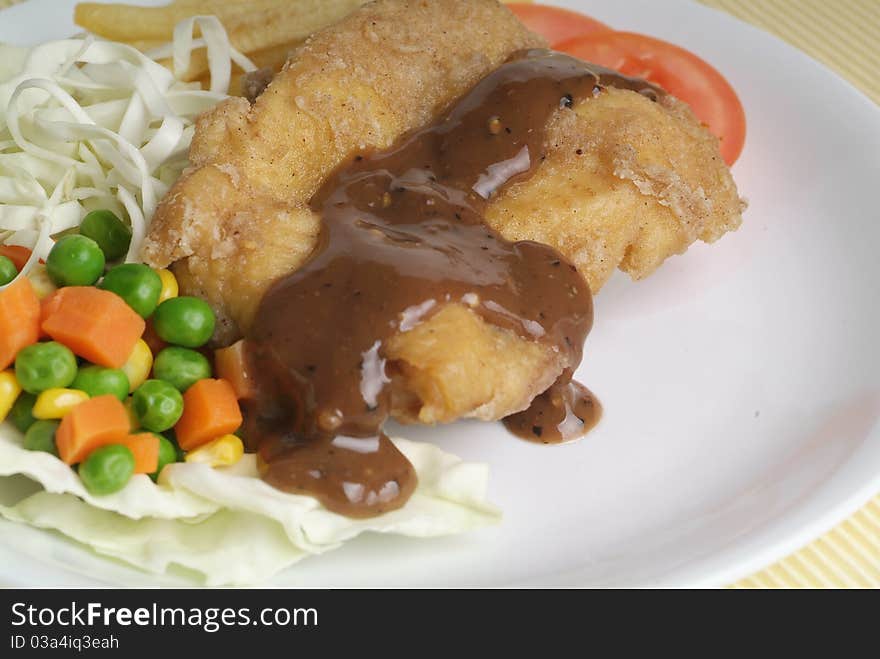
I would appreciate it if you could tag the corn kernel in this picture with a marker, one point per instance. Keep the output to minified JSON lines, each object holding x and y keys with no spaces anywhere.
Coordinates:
{"x":55,"y":403}
{"x":9,"y":391}
{"x":132,"y":417}
{"x":40,"y":280}
{"x":169,"y":285}
{"x":221,"y":452}
{"x":138,"y":366}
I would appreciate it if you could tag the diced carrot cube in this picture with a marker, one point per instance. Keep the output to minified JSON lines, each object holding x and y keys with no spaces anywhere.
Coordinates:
{"x":152,"y":339}
{"x":210,"y":410}
{"x":94,"y":423}
{"x":230,"y":364}
{"x":95,"y":324}
{"x":19,"y":319}
{"x":145,"y":447}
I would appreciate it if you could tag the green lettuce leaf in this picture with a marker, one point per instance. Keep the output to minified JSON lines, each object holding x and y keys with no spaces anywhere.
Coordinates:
{"x":140,"y":498}
{"x":226,"y":524}
{"x":226,"y":548}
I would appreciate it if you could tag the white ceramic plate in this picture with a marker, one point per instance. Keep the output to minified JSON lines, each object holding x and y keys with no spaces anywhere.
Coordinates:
{"x":741,"y":383}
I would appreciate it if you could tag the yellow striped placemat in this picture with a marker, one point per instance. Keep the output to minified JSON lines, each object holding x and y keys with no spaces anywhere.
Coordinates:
{"x":843,"y":35}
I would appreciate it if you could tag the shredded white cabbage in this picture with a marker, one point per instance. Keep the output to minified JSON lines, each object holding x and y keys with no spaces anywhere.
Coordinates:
{"x":88,"y":124}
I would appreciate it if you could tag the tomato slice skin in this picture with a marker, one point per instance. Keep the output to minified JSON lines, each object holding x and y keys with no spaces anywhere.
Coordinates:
{"x":18,"y":255}
{"x":555,"y":24}
{"x":678,"y":71}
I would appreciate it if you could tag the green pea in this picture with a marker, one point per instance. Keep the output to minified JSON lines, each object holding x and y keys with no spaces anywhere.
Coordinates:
{"x":41,"y":437}
{"x":107,"y":469}
{"x":97,"y":380}
{"x":111,"y":233}
{"x":172,"y":437}
{"x":181,"y":367}
{"x":42,"y":366}
{"x":167,"y":454}
{"x":137,"y":284}
{"x":21,"y":414}
{"x":157,"y":405}
{"x":8,"y":271}
{"x":184,"y":321}
{"x":75,"y":261}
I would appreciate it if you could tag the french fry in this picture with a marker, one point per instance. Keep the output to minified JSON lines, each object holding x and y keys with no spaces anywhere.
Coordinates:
{"x":268,"y":58}
{"x":268,"y":27}
{"x":198,"y":66}
{"x":272,"y":58}
{"x":128,"y":23}
{"x":122,"y":22}
{"x":275,"y":57}
{"x":144,"y":45}
{"x":290,"y":21}
{"x":257,"y":24}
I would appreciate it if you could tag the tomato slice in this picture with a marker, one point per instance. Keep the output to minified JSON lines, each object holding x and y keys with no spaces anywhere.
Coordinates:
{"x":678,"y":71}
{"x":555,"y":24}
{"x":18,"y":255}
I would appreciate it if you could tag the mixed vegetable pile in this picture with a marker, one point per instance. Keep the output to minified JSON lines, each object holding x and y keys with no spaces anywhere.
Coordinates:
{"x":101,"y":363}
{"x":79,"y":342}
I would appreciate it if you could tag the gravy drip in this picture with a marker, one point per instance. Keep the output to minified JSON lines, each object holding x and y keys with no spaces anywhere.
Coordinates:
{"x":566,"y":411}
{"x":403,"y":230}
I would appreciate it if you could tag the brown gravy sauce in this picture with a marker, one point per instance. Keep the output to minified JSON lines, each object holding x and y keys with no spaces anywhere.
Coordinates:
{"x":566,"y":411}
{"x":401,"y":228}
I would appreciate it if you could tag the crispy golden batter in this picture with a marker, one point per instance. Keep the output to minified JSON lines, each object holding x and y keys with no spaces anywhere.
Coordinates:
{"x":625,"y":182}
{"x":455,"y":364}
{"x":385,"y":70}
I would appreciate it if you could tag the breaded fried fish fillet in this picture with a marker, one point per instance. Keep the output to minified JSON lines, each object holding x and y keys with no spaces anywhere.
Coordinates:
{"x":239,"y":218}
{"x":624,"y":182}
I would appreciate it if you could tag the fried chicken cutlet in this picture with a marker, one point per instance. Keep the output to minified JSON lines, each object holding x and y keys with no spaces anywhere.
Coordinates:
{"x":624,"y":182}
